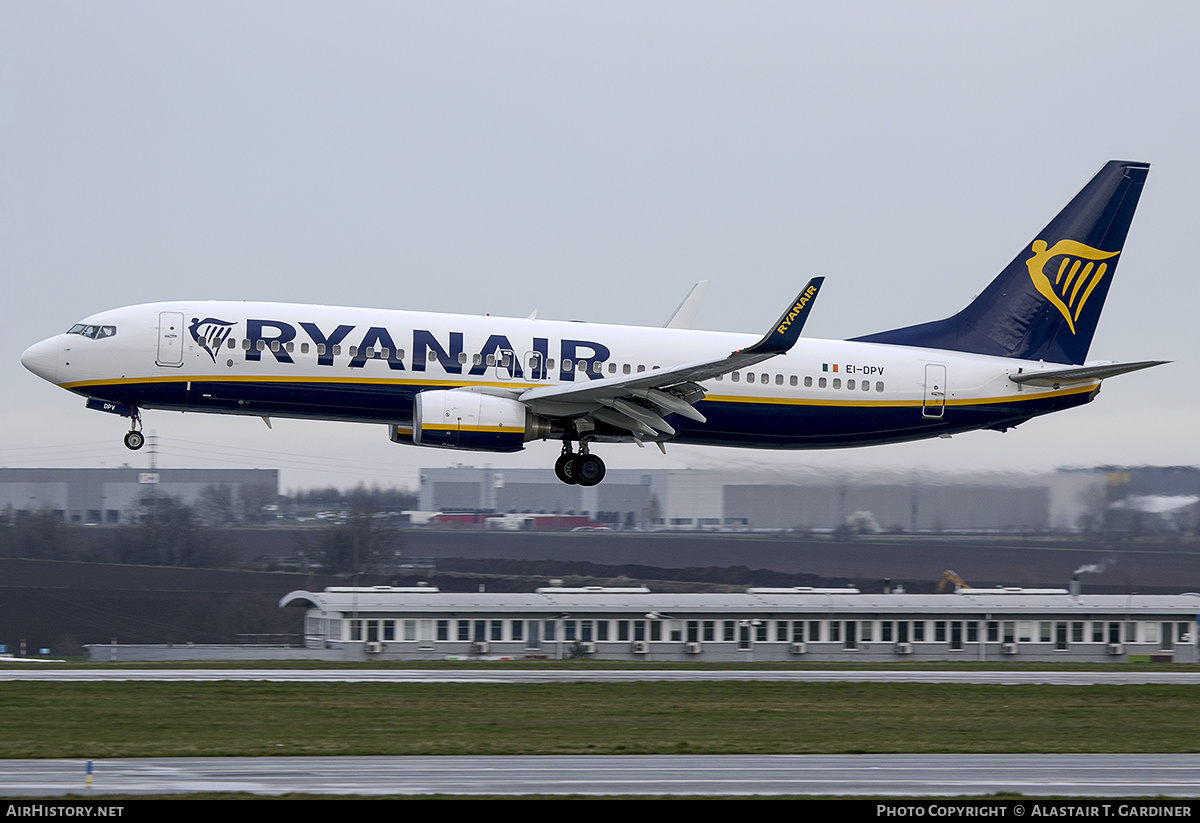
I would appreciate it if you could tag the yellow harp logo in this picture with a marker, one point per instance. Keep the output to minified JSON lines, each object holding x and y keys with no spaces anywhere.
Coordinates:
{"x":1076,"y":274}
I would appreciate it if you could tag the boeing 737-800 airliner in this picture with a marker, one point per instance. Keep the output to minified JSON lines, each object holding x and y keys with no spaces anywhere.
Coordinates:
{"x":493,"y":384}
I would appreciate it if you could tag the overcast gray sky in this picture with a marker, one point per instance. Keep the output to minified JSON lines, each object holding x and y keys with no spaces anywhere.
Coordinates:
{"x":590,"y":161}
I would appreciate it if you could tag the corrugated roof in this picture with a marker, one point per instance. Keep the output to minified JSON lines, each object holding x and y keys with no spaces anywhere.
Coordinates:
{"x":669,"y":605}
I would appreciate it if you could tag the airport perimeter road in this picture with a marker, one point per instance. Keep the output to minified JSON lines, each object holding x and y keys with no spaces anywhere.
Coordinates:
{"x":1082,"y":775}
{"x":1117,"y":677}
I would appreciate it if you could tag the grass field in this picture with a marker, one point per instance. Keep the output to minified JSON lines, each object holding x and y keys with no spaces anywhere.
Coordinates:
{"x":93,"y":720}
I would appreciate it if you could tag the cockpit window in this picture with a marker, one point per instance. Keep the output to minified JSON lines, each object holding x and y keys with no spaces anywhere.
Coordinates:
{"x":94,"y":332}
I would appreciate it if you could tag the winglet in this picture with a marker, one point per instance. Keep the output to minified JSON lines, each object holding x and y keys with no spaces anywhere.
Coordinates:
{"x":685,"y":315}
{"x":786,"y":331}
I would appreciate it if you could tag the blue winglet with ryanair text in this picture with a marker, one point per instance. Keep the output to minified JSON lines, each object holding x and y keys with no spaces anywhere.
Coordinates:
{"x":786,"y":331}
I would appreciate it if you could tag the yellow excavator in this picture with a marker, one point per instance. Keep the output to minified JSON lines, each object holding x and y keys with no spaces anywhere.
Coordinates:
{"x":950,"y":576}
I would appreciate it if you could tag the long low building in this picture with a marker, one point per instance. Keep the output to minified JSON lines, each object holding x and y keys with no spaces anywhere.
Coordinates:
{"x":113,"y":496}
{"x":824,"y":625}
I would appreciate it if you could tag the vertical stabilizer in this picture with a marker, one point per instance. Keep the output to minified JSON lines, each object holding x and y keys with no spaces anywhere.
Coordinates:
{"x":1047,"y":301}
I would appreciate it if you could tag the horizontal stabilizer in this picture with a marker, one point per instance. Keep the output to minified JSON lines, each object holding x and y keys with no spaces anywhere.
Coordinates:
{"x":1080,"y":374}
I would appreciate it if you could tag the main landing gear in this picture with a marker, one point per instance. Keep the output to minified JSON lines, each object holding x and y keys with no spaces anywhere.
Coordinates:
{"x":134,"y":439}
{"x":583,"y":469}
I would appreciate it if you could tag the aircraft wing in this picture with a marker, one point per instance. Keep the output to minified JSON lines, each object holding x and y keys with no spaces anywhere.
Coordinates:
{"x":638,"y":402}
{"x":1080,"y":374}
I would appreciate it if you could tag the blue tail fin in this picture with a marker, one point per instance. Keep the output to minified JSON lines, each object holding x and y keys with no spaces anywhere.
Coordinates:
{"x":1046,"y":302}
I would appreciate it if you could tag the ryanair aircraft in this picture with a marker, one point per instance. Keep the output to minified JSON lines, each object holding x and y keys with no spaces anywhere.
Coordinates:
{"x":493,"y":384}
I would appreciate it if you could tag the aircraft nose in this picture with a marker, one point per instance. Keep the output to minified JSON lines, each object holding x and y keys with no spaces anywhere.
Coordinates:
{"x":42,"y":359}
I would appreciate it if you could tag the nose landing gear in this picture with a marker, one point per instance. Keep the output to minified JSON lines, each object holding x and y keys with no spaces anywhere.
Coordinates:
{"x":583,"y":469}
{"x":134,"y":439}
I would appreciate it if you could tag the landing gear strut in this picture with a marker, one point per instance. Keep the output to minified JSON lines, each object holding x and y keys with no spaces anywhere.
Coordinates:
{"x":583,"y":469}
{"x":134,"y":439}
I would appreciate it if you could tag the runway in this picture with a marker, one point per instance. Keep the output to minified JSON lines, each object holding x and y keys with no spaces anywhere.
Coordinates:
{"x":899,"y":775}
{"x":1117,"y":676}
{"x":1088,"y":775}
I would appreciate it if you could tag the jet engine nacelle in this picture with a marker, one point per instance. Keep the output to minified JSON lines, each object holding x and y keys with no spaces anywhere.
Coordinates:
{"x":456,"y":419}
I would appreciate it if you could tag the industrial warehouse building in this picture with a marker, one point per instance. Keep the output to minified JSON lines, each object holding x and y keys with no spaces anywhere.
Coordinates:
{"x":113,"y":496}
{"x":1143,"y":499}
{"x":1140,"y":499}
{"x":799,"y":624}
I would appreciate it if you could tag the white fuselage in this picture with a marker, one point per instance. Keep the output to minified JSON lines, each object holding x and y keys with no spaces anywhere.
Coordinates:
{"x":358,"y":364}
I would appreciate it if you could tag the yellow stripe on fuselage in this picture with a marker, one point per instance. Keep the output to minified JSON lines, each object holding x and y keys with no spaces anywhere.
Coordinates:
{"x":365,"y":381}
{"x":973,"y":401}
{"x":711,"y":398}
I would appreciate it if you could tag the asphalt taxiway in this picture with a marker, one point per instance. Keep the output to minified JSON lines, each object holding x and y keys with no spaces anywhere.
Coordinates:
{"x":1079,"y":775}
